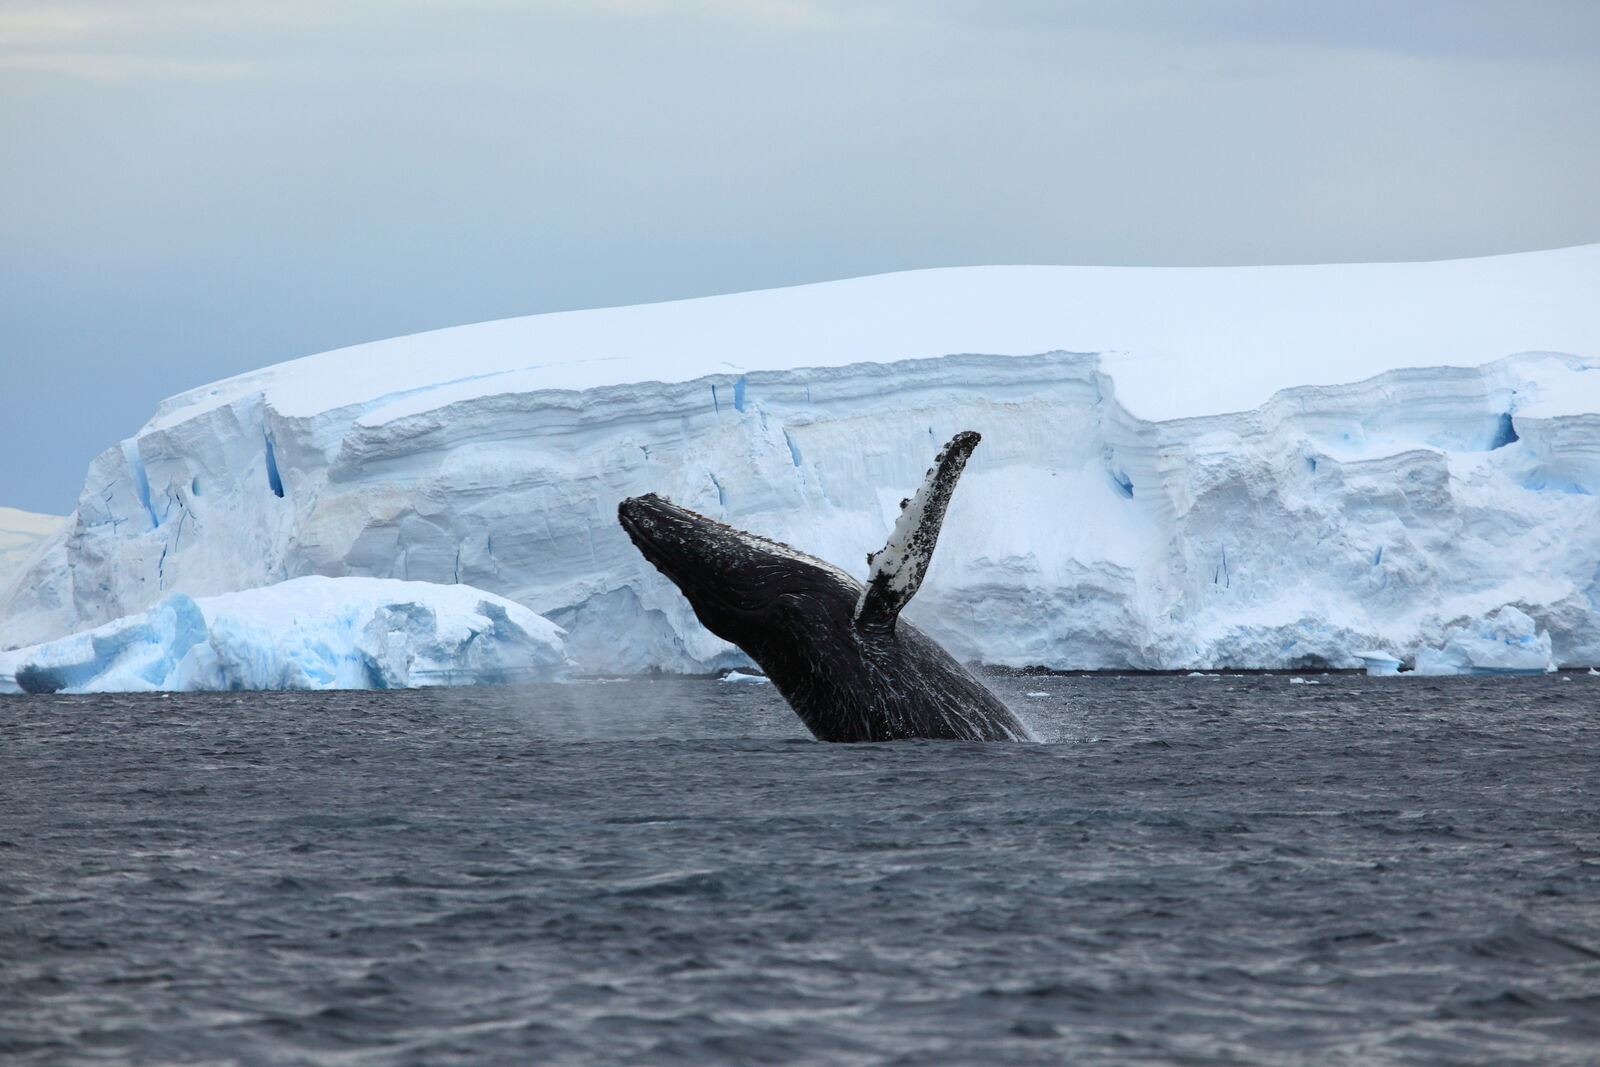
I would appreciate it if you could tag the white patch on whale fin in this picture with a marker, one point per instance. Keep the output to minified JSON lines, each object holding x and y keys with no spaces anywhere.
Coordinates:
{"x":897,"y":568}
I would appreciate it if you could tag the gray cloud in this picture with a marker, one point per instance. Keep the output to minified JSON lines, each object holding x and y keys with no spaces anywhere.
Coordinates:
{"x":1554,"y":30}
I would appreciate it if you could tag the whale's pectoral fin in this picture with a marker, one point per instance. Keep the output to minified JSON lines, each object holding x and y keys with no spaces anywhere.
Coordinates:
{"x":897,"y":568}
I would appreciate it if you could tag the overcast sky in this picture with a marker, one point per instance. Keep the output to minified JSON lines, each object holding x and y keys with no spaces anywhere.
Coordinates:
{"x":192,"y":189}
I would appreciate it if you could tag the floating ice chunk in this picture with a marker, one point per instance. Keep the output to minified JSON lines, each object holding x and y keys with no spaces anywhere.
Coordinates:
{"x":741,"y":676}
{"x":133,"y":655}
{"x":1507,"y":642}
{"x":308,"y":633}
{"x":1379,"y":663}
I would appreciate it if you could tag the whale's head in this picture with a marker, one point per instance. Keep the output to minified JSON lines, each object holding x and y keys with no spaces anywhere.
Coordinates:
{"x":744,"y":588}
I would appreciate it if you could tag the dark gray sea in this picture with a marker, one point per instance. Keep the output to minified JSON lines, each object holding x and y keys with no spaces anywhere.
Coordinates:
{"x":1191,"y":870}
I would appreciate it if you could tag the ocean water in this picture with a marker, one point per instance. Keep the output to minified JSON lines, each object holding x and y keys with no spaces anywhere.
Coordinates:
{"x":1190,"y":870}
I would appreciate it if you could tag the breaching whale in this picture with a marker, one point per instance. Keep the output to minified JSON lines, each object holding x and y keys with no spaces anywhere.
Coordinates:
{"x":837,"y":650}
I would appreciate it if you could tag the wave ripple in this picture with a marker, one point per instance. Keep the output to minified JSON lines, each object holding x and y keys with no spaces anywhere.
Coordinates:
{"x":1199,"y":870}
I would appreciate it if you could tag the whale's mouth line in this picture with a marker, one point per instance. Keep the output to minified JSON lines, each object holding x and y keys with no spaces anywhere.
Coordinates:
{"x":633,"y":514}
{"x":653,"y":500}
{"x":649,"y":537}
{"x":675,"y":526}
{"x":649,"y":540}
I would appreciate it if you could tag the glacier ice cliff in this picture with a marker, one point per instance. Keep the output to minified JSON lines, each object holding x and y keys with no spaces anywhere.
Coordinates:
{"x":1181,"y":468}
{"x":306,"y":633}
{"x":22,"y":534}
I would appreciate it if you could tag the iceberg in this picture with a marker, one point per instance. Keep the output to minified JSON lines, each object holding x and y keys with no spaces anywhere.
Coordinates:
{"x":1507,"y":642}
{"x":306,"y":633}
{"x":1182,"y":469}
{"x":1379,"y":664}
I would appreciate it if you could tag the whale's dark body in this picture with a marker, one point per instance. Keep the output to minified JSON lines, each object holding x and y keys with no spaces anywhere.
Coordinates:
{"x":835,"y":649}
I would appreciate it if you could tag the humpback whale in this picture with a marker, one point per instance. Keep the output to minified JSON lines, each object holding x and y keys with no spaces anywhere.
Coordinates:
{"x":836,"y":649}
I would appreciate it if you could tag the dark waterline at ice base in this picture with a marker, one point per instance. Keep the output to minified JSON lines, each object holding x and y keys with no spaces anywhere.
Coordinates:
{"x":1192,"y":870}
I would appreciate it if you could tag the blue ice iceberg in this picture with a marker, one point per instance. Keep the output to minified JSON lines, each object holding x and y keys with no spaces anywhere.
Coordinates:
{"x":306,"y":633}
{"x":1379,"y":663}
{"x":1507,"y":642}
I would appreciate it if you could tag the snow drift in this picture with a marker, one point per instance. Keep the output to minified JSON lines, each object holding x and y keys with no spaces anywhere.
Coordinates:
{"x":307,"y":633}
{"x":1254,"y":467}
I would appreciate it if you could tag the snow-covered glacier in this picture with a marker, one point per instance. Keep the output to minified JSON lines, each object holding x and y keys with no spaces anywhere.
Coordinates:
{"x":21,"y":535}
{"x":306,"y":633}
{"x":1181,"y":468}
